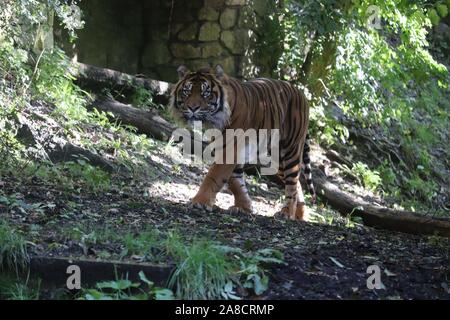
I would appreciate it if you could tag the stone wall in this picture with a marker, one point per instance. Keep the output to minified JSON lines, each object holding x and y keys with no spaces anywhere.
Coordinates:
{"x":153,"y":37}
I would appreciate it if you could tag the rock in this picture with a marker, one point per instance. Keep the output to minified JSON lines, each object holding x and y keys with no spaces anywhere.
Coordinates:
{"x":236,"y":41}
{"x":209,"y":31}
{"x":228,"y":18}
{"x":261,"y":7}
{"x":189,"y":33}
{"x":228,"y":64}
{"x":212,"y":50}
{"x":185,"y":51}
{"x":208,"y":14}
{"x":197,"y":64}
{"x":236,"y":2}
{"x":214,"y":3}
{"x":175,"y":28}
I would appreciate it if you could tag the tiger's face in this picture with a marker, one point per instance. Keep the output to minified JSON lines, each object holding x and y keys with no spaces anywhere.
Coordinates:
{"x":200,"y":96}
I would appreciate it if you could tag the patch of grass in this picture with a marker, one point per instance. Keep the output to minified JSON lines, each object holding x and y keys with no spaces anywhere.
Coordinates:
{"x":13,"y":288}
{"x":13,"y":249}
{"x":203,"y":269}
{"x":92,"y":177}
{"x":207,"y":270}
{"x":145,"y":244}
{"x":70,"y":175}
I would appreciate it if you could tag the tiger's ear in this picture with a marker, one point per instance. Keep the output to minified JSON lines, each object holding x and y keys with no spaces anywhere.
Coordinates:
{"x":182,"y":71}
{"x":220,"y":74}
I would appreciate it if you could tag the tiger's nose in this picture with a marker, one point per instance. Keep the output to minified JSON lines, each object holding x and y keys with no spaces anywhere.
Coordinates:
{"x":193,"y":108}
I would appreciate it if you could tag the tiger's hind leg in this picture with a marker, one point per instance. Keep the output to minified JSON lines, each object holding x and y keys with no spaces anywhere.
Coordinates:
{"x":236,"y":184}
{"x":294,"y":208}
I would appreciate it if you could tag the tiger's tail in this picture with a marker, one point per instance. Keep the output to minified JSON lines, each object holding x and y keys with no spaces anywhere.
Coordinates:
{"x":307,"y":173}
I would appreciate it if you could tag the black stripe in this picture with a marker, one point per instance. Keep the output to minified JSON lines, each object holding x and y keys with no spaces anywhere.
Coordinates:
{"x":292,"y":175}
{"x":238,"y":170}
{"x":292,"y":164}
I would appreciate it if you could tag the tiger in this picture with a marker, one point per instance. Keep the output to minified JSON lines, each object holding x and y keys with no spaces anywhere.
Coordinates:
{"x":211,"y":96}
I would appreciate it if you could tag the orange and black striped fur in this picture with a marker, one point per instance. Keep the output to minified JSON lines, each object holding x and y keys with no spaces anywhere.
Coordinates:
{"x":212,"y":97}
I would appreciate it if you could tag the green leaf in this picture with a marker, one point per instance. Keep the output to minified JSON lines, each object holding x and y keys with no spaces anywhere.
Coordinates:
{"x":259,"y":284}
{"x":442,"y":10}
{"x":93,"y":294}
{"x":144,"y":279}
{"x":434,"y":17}
{"x":117,"y":285}
{"x":163,"y":294}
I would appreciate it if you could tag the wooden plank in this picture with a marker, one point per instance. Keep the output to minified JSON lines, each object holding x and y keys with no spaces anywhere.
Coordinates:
{"x":53,"y":271}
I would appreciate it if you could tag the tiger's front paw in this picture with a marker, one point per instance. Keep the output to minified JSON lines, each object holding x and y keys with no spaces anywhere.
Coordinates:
{"x":201,"y":206}
{"x":238,"y":209}
{"x":200,"y":203}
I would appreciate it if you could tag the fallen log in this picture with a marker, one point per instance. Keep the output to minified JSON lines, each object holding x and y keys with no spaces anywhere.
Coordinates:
{"x":146,"y":121}
{"x":96,"y":78}
{"x":70,"y":152}
{"x":377,"y":216}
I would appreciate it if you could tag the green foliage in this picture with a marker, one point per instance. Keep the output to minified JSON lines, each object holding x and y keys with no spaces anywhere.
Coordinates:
{"x":146,"y":244}
{"x":370,"y":179}
{"x":91,"y":177}
{"x":208,"y":270}
{"x":13,"y":249}
{"x":125,"y":289}
{"x":21,"y":21}
{"x":14,"y":288}
{"x":383,"y":79}
{"x":142,"y":97}
{"x":72,"y":175}
{"x":203,"y":270}
{"x":253,"y":275}
{"x":421,"y":189}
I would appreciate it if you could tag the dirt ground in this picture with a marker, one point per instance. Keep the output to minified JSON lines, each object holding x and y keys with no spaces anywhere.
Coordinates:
{"x":325,"y":259}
